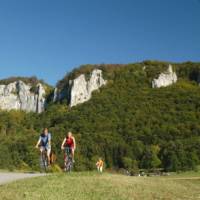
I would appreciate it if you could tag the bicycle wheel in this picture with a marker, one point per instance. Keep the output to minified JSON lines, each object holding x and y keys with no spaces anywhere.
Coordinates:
{"x":68,"y":163}
{"x":44,"y":162}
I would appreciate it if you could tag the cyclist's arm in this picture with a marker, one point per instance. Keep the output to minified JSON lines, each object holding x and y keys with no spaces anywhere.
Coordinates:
{"x":49,"y":139}
{"x":63,"y":143}
{"x":38,"y":143}
{"x":49,"y":142}
{"x":74,"y":143}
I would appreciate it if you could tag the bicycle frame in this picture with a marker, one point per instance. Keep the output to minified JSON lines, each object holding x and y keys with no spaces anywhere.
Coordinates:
{"x":43,"y":160}
{"x":68,"y":161}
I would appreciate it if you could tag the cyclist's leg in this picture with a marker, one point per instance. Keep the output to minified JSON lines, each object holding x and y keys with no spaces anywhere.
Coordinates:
{"x":72,"y":153}
{"x":42,"y":149}
{"x":66,"y":154}
{"x":42,"y":156}
{"x":101,"y":169}
{"x":48,"y":149}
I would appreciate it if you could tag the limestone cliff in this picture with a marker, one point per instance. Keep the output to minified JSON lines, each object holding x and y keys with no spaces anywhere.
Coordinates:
{"x":18,"y":96}
{"x":165,"y":79}
{"x":79,"y":90}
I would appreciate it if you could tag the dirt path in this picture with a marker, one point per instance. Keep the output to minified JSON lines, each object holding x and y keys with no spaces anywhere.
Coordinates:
{"x":6,"y":177}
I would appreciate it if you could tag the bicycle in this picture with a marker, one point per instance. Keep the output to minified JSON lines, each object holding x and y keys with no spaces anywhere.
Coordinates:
{"x":68,"y":160}
{"x":43,"y":160}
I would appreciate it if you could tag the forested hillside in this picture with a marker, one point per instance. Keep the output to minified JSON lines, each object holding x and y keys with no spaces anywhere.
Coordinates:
{"x":127,"y":122}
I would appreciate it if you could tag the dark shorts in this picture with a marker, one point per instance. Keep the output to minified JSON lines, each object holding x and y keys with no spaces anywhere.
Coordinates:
{"x":46,"y":148}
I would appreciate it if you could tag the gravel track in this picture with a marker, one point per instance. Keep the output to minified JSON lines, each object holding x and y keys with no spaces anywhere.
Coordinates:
{"x":7,"y":177}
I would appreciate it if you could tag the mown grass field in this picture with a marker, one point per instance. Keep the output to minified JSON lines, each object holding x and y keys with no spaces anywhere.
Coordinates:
{"x":92,"y":186}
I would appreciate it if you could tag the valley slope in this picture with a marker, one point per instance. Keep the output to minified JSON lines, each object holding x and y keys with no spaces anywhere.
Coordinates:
{"x":127,"y":122}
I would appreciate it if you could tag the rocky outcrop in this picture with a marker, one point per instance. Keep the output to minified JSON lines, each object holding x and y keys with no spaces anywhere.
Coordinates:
{"x":165,"y":79}
{"x":40,"y":98}
{"x":55,"y":94}
{"x":79,"y":92}
{"x":18,"y":96}
{"x":80,"y":89}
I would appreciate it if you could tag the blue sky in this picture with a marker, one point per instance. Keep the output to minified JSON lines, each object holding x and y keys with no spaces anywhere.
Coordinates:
{"x":48,"y":38}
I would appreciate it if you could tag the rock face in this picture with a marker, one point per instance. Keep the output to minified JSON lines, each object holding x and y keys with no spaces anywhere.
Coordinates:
{"x":165,"y":79}
{"x":80,"y":90}
{"x":55,"y":94}
{"x":18,"y":96}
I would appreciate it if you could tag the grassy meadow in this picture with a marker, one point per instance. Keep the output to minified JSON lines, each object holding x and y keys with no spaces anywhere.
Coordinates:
{"x":93,"y":186}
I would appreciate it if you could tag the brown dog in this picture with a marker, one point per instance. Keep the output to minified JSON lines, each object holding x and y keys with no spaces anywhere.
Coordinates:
{"x":52,"y":158}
